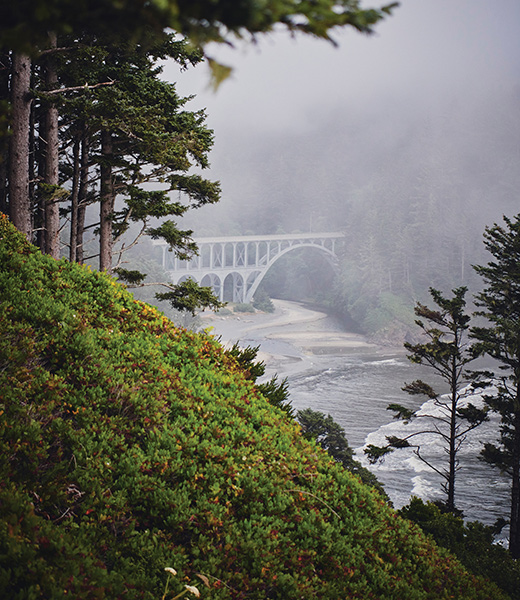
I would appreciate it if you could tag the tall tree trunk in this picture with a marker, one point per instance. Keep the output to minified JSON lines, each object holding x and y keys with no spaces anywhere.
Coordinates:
{"x":82,"y":193}
{"x":52,"y":216}
{"x":37,"y":173}
{"x":452,"y":453}
{"x":107,"y":204}
{"x":514,"y":524}
{"x":452,"y":446}
{"x":4,"y":139}
{"x":19,"y":201}
{"x":76,"y":168}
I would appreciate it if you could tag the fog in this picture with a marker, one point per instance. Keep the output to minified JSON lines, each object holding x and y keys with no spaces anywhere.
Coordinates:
{"x":408,"y":141}
{"x":304,"y":124}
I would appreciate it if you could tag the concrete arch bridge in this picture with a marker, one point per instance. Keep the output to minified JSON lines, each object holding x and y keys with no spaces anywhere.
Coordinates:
{"x":234,"y":266}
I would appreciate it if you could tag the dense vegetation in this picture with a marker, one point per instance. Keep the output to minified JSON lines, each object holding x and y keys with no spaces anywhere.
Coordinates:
{"x":472,"y":543}
{"x":129,"y":445}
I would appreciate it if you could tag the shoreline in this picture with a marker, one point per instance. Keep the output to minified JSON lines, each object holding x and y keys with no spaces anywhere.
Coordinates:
{"x":289,"y":337}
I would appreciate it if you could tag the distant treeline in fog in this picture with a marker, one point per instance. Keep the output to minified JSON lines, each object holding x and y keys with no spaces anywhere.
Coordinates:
{"x":412,"y":198}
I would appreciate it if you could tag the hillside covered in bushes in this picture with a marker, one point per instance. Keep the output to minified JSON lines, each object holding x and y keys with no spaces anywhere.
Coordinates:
{"x":129,"y":445}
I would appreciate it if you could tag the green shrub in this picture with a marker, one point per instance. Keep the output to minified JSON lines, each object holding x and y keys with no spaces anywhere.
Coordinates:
{"x":244,"y":308}
{"x":472,"y":543}
{"x":262,"y":302}
{"x":128,"y":445}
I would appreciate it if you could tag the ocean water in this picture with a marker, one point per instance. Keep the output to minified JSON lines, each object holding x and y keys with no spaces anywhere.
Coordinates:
{"x":356,"y":389}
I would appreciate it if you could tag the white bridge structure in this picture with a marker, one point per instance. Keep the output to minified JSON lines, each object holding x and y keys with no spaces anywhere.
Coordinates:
{"x":234,"y":266}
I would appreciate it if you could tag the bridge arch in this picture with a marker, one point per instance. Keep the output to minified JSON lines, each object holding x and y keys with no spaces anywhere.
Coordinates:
{"x":331,"y":257}
{"x":233,"y":288}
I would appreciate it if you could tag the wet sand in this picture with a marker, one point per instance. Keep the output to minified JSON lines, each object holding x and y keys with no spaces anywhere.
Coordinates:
{"x":289,"y":337}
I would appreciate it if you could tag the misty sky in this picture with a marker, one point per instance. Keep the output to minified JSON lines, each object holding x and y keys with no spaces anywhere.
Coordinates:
{"x":443,"y":59}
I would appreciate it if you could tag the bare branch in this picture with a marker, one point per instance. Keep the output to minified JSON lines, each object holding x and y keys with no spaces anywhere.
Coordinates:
{"x":56,"y":50}
{"x":124,"y":248}
{"x":443,"y":474}
{"x":169,"y":286}
{"x":77,"y":88}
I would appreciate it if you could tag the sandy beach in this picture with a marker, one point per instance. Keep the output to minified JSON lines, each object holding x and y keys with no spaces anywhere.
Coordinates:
{"x":289,"y":337}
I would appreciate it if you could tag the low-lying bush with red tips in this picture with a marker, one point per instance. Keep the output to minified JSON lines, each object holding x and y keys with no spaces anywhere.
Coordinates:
{"x":128,"y":444}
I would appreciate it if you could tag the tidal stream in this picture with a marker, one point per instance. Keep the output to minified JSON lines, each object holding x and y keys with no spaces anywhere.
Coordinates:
{"x":339,"y":373}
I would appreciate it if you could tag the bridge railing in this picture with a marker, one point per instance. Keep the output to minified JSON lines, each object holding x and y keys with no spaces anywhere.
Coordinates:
{"x":244,"y":251}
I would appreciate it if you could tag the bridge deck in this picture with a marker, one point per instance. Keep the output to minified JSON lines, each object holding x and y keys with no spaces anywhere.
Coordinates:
{"x":260,"y":238}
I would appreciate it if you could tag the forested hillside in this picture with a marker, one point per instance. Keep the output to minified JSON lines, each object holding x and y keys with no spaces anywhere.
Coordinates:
{"x":129,"y":445}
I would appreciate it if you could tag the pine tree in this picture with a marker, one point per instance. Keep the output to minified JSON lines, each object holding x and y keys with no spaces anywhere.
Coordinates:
{"x":448,"y":353}
{"x":500,"y":339}
{"x":25,"y":23}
